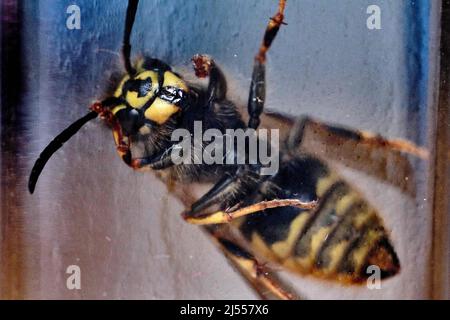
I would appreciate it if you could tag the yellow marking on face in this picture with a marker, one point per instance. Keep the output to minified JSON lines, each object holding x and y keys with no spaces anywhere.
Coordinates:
{"x":139,"y":69}
{"x":359,"y":255}
{"x":118,"y":108}
{"x":118,"y":91}
{"x":148,"y":74}
{"x":325,"y":183}
{"x":160,"y":111}
{"x":132,"y":96}
{"x":171,"y":80}
{"x":261,"y":247}
{"x":283,"y":249}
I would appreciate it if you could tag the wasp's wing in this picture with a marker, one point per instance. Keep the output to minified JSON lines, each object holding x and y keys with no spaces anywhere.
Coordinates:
{"x":389,"y":160}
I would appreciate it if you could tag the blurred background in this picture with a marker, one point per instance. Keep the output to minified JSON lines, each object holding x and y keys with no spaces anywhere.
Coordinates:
{"x":122,"y":228}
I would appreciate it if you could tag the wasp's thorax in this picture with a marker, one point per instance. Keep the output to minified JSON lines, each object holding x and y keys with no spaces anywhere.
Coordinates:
{"x":149,"y":99}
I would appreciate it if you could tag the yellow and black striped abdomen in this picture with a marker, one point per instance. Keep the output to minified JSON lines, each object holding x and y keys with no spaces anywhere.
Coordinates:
{"x":337,"y":240}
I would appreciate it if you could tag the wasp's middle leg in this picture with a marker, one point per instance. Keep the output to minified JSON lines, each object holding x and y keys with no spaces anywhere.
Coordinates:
{"x":225,"y":216}
{"x":228,"y":191}
{"x":229,"y":194}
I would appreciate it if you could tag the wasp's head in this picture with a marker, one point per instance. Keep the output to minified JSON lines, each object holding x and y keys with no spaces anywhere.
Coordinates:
{"x":149,"y":99}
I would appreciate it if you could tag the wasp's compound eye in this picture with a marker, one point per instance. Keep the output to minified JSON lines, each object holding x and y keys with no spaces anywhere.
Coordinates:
{"x":130,"y":120}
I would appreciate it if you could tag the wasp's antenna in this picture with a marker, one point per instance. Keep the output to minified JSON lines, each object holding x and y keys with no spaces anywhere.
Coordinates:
{"x":129,"y":22}
{"x":54,"y":146}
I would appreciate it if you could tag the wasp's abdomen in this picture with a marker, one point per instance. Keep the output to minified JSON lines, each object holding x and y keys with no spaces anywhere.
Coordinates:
{"x":338,"y":240}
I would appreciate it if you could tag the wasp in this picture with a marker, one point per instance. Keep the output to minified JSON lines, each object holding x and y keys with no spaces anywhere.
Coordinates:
{"x":304,"y":217}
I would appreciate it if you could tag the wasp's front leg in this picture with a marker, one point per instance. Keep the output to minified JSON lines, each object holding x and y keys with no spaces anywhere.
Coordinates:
{"x":123,"y":143}
{"x":204,"y":66}
{"x":123,"y":146}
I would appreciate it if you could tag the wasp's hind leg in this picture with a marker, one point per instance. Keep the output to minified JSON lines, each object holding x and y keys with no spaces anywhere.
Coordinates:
{"x":258,"y":275}
{"x":258,"y":85}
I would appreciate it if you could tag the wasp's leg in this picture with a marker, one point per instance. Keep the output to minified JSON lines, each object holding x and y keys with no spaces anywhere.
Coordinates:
{"x":228,"y":191}
{"x":225,"y":216}
{"x":259,"y":276}
{"x":160,"y":163}
{"x":123,"y":148}
{"x":123,"y":144}
{"x":204,"y":66}
{"x":258,"y":85}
